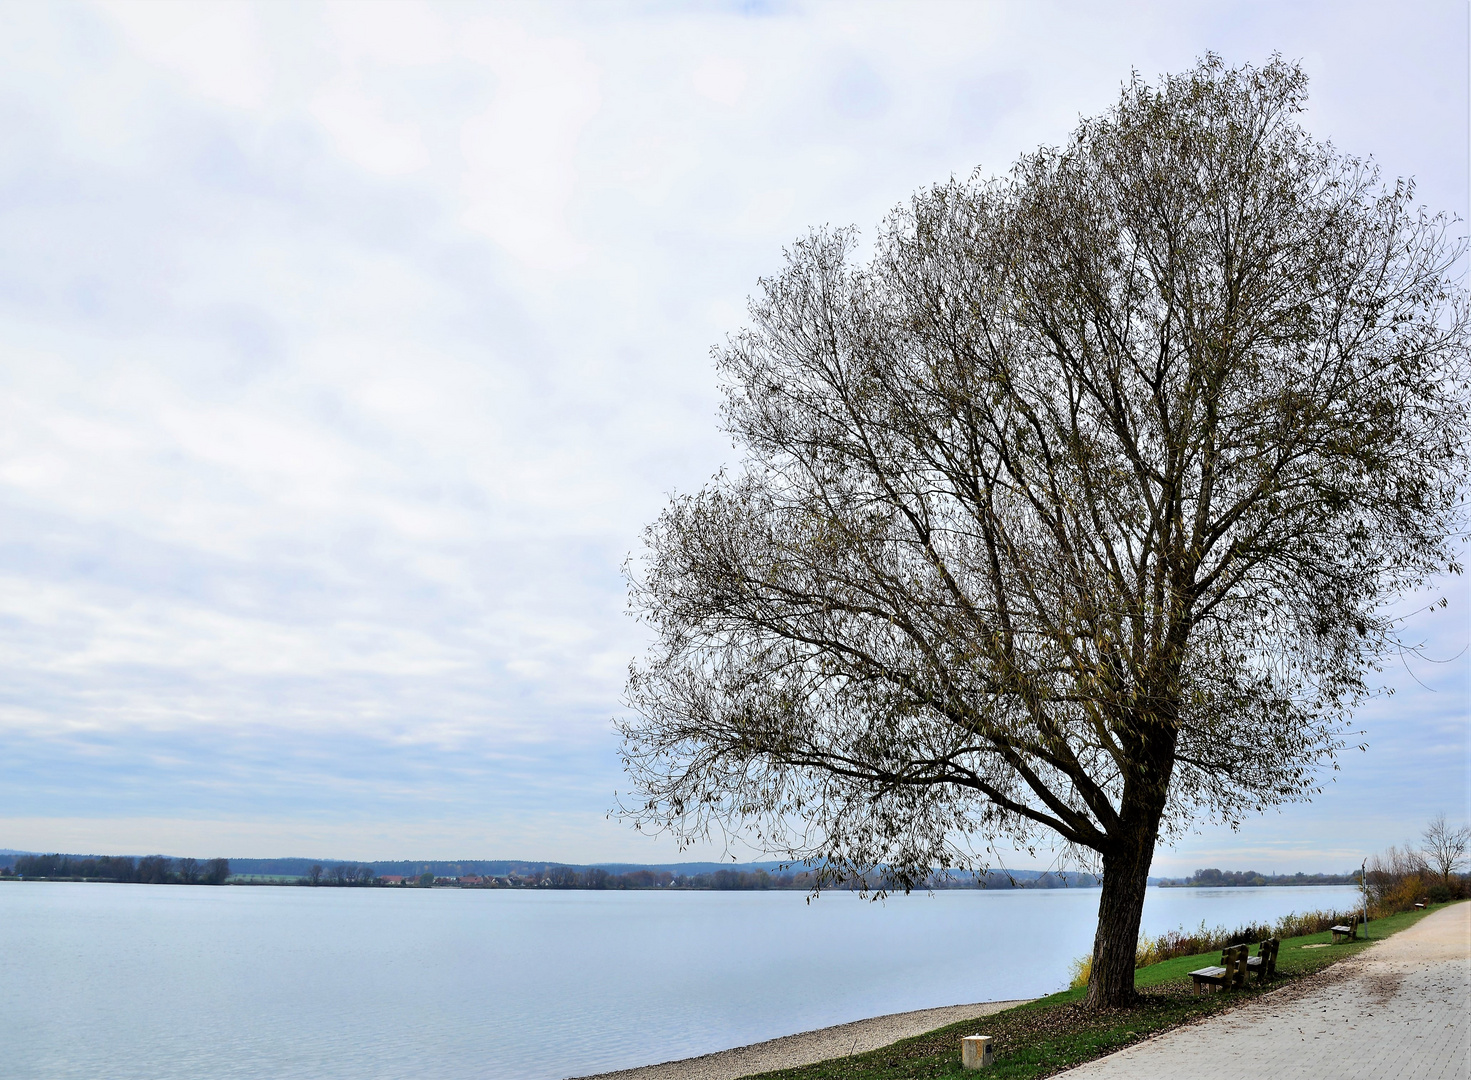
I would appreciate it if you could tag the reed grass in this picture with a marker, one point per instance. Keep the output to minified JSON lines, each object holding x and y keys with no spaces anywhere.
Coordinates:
{"x":1180,"y":942}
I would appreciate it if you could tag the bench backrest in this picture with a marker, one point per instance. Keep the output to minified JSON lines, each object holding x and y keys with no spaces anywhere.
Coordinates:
{"x":1267,"y":950}
{"x":1233,"y":959}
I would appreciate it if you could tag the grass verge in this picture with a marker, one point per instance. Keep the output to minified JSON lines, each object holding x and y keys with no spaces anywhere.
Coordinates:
{"x":1053,"y":1033}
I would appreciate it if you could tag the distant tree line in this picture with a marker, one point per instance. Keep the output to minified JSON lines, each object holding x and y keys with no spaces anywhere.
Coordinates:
{"x":159,"y":869}
{"x":571,"y":877}
{"x":568,"y":877}
{"x":1213,"y":878}
{"x":149,"y":870}
{"x":1003,"y":879}
{"x":343,"y":874}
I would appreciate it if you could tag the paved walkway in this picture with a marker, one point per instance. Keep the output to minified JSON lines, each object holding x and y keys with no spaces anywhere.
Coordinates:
{"x":1400,"y":1010}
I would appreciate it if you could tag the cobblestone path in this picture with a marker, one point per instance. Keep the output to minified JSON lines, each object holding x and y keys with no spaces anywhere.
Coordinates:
{"x":1400,"y":1010}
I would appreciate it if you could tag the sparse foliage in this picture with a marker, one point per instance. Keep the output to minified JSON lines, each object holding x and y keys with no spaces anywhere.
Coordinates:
{"x":1394,"y":880}
{"x":1071,"y":513}
{"x":1445,"y":847}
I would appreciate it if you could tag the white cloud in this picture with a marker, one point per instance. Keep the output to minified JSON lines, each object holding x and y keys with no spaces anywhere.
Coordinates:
{"x":349,"y":347}
{"x":362,"y":133}
{"x":215,"y":48}
{"x":520,"y":154}
{"x":720,"y":79}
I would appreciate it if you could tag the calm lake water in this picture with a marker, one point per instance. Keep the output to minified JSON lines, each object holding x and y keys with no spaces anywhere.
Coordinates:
{"x":173,"y":981}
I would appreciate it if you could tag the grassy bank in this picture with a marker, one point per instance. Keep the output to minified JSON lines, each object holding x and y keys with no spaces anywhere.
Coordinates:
{"x":1052,"y":1033}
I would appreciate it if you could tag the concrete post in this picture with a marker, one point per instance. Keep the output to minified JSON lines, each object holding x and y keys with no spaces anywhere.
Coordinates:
{"x":975,"y":1052}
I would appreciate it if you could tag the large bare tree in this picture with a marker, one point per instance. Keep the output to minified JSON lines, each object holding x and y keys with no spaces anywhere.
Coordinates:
{"x":1069,"y":513}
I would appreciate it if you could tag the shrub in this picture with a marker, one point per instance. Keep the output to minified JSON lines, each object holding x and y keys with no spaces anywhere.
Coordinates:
{"x":1401,"y":895}
{"x":1311,"y":922}
{"x":1441,"y":893}
{"x":1395,"y":881}
{"x":1082,"y":968}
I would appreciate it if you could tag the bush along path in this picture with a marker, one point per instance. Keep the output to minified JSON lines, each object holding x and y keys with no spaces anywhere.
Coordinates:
{"x":1054,"y":1033}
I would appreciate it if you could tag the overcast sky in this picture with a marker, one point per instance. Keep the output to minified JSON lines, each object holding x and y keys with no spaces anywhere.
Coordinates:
{"x":347,"y":350}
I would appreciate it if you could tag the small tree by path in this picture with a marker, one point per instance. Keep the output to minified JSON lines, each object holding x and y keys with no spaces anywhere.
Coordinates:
{"x":1072,"y":513}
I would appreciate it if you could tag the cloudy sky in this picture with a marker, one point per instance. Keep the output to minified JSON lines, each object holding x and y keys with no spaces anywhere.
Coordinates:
{"x":347,"y":349}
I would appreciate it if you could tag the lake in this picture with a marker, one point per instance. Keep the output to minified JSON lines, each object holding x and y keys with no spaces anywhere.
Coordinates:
{"x":175,"y":981}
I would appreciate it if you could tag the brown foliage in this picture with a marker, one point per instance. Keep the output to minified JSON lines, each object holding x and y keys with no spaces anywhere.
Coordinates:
{"x":1395,"y":881}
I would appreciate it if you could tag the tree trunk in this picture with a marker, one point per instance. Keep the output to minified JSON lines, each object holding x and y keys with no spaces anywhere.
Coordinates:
{"x":1125,"y":874}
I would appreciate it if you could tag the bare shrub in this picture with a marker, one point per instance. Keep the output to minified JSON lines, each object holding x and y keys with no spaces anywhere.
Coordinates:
{"x":1395,"y":881}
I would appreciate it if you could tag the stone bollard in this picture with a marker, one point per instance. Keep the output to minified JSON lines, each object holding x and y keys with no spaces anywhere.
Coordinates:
{"x":975,"y":1052}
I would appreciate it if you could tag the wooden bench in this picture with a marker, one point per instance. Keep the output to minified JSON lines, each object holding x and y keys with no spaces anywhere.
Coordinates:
{"x":1264,"y":963}
{"x":1345,"y":933}
{"x":1230,"y":975}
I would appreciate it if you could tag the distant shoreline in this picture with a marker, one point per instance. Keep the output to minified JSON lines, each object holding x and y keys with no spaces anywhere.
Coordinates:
{"x":252,"y":881}
{"x":515,"y":874}
{"x":259,"y":880}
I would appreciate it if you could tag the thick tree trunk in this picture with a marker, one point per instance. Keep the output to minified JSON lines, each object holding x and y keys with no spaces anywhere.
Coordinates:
{"x":1125,"y":874}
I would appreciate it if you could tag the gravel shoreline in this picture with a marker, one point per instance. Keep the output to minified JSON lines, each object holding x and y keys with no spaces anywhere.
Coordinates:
{"x":809,"y":1046}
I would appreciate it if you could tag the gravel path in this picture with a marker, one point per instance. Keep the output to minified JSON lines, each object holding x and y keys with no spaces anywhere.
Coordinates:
{"x":809,"y":1046}
{"x":1400,"y":1010}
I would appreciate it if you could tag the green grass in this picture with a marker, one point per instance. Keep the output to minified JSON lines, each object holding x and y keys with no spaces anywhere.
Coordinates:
{"x":1052,"y":1033}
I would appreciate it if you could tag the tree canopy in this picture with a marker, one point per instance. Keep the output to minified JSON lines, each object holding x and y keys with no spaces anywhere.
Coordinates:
{"x":1069,"y":511}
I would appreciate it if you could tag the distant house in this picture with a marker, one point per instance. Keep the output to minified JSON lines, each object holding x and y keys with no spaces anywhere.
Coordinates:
{"x":472,"y":879}
{"x":392,"y":879}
